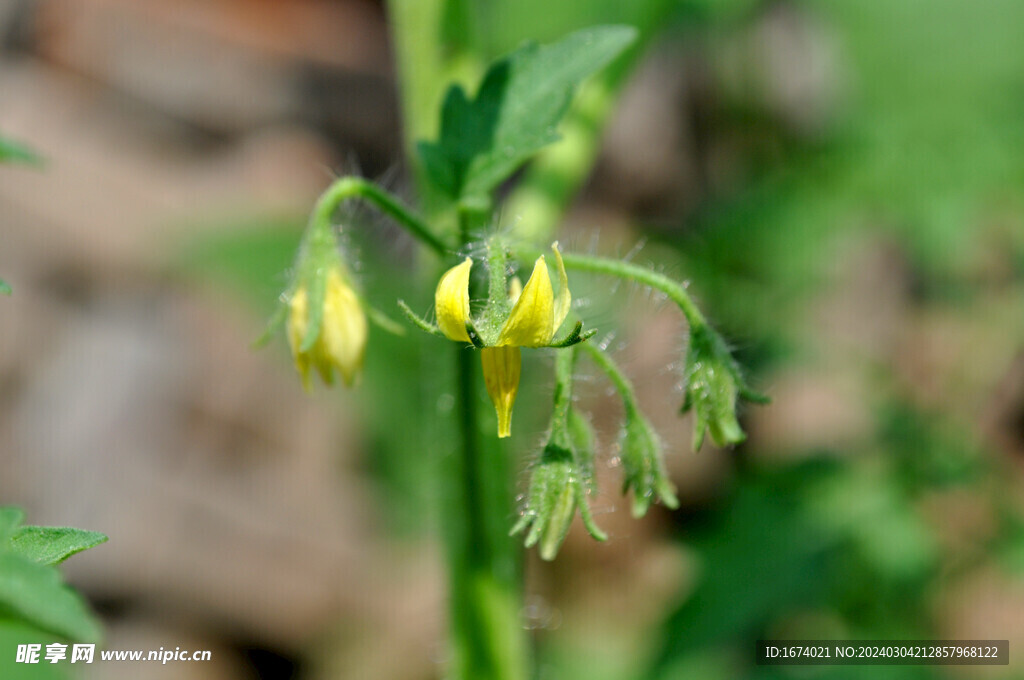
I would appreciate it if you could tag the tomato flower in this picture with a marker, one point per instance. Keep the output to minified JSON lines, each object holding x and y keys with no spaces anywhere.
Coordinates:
{"x":535,"y":316}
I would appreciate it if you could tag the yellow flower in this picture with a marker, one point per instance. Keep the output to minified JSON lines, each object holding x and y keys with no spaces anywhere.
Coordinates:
{"x":341,"y":342}
{"x":535,"y":316}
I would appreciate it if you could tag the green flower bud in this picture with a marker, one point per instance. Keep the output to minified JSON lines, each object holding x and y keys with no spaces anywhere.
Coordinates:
{"x":557,"y":489}
{"x":550,"y":502}
{"x":713,"y":383}
{"x":562,"y":477}
{"x":643,"y":465}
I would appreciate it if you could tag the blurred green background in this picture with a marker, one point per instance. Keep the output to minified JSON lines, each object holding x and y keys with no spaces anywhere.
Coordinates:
{"x":842,"y":184}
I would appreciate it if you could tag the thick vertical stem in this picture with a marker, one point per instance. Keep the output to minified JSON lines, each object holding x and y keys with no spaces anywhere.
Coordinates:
{"x":488,"y":641}
{"x":485,"y":574}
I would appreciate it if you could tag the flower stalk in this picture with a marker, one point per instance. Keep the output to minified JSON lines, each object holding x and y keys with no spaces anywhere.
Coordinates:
{"x":641,"y":450}
{"x":348,"y":188}
{"x":713,"y":381}
{"x":562,"y":476}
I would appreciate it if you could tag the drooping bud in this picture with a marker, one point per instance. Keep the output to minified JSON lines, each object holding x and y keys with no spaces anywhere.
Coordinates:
{"x":326,"y":323}
{"x":550,"y":502}
{"x":339,"y":342}
{"x":713,"y":385}
{"x":643,"y":465}
{"x":562,"y":477}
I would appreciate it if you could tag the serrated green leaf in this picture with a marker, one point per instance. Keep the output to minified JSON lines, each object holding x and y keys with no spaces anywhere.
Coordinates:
{"x":53,"y":545}
{"x":515,"y":113}
{"x":4,"y":288}
{"x":34,"y":593}
{"x":13,"y":152}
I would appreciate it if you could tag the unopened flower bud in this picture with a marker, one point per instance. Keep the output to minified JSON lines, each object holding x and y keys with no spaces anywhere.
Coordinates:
{"x":563,"y":476}
{"x":713,"y":385}
{"x":643,"y":465}
{"x":340,"y":340}
{"x":550,"y":502}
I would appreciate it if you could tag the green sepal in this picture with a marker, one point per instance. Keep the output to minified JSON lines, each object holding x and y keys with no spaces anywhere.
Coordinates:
{"x":583,"y":438}
{"x":418,"y":321}
{"x":574,"y":336}
{"x":381,"y":320}
{"x":747,"y":394}
{"x":587,"y":516}
{"x":274,"y":324}
{"x":474,"y":336}
{"x":316,"y":292}
{"x":318,"y":255}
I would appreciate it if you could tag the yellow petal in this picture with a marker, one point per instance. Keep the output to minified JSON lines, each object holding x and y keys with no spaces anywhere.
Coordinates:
{"x":342,"y":342}
{"x":530,"y":323}
{"x":564,"y":300}
{"x":501,"y":376}
{"x":451,"y":301}
{"x":298,"y":321}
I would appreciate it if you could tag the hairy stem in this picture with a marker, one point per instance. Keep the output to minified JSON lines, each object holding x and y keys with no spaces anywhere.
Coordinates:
{"x":485,"y":564}
{"x":614,"y":373}
{"x":632,"y":272}
{"x":348,"y":188}
{"x":488,"y":642}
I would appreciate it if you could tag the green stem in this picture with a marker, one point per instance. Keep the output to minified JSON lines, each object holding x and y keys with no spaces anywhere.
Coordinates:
{"x":632,"y":272}
{"x":485,"y":563}
{"x":615,"y":374}
{"x":485,"y":570}
{"x":565,"y":362}
{"x":488,"y":642}
{"x":348,"y":188}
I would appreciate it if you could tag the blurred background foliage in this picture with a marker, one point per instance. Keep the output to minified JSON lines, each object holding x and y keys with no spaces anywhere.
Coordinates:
{"x":842,"y":183}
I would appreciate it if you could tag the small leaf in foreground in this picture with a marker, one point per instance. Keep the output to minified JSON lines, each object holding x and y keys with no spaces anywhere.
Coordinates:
{"x":53,"y":545}
{"x":34,"y":593}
